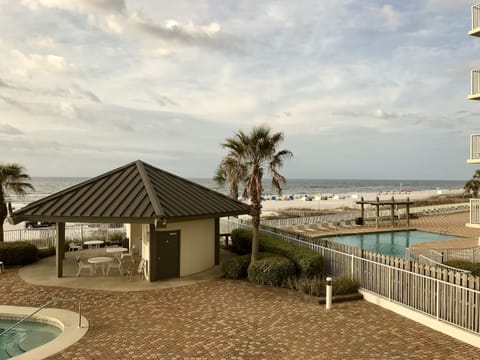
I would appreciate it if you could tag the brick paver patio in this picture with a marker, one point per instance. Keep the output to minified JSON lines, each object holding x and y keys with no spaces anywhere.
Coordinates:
{"x":223,"y":319}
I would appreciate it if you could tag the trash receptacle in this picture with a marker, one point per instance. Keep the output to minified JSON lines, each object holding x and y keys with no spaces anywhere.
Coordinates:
{"x":359,"y":221}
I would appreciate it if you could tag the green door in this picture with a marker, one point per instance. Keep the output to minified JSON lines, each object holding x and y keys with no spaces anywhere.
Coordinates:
{"x":167,"y":254}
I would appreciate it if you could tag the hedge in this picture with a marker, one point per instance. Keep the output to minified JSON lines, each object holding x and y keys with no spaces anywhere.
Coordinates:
{"x":307,"y":262}
{"x":17,"y":253}
{"x":274,"y":270}
{"x":242,"y":241}
{"x":465,"y":265}
{"x":43,"y":253}
{"x":236,"y":268}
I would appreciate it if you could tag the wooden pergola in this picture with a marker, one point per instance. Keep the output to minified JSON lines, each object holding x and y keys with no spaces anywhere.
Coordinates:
{"x":391,"y":202}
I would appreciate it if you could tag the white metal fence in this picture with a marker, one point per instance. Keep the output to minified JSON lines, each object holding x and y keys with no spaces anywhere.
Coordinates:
{"x":420,"y":210}
{"x":445,"y":254}
{"x":452,"y":300}
{"x":45,"y":237}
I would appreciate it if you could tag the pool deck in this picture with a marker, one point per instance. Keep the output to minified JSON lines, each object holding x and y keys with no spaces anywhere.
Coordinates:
{"x":449,"y":224}
{"x":225,"y":319}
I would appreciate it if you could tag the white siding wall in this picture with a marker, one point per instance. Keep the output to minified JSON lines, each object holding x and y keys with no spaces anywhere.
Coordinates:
{"x":146,"y":248}
{"x":197,"y":245}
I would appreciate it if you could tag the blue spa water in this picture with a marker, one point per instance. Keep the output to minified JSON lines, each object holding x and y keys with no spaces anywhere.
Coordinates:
{"x":392,"y":243}
{"x":25,"y":337}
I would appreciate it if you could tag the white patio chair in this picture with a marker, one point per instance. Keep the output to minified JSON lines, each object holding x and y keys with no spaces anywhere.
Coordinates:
{"x":129,"y":253}
{"x":83,"y":265}
{"x":115,"y":264}
{"x":72,"y":246}
{"x":140,"y":270}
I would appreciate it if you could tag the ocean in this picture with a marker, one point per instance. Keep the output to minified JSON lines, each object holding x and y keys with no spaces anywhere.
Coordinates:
{"x":45,"y":186}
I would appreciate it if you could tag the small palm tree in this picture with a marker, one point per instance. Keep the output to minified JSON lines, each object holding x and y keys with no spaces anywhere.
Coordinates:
{"x":252,"y":153}
{"x":231,"y":170}
{"x":472,"y":187}
{"x":12,"y":179}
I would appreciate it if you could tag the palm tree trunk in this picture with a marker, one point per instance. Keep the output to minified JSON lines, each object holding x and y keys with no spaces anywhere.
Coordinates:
{"x":256,"y":206}
{"x":3,"y":213}
{"x":255,"y":230}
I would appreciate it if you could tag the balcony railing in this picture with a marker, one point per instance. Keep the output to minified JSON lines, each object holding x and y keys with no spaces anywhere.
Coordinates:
{"x":474,"y":149}
{"x":475,"y":85}
{"x":475,"y":21}
{"x":474,"y":213}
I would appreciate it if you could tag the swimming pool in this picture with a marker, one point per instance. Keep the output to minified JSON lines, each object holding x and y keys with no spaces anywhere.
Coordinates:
{"x":392,"y":243}
{"x":24,"y":337}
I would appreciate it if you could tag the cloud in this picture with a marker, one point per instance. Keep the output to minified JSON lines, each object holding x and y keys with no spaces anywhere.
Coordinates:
{"x":25,"y":64}
{"x":163,"y":100}
{"x":112,"y":16}
{"x":86,"y":94}
{"x":9,"y":130}
{"x":15,"y":103}
{"x":81,"y":6}
{"x":187,"y":34}
{"x":43,"y":42}
{"x":3,"y":84}
{"x":157,"y":53}
{"x":392,"y":18}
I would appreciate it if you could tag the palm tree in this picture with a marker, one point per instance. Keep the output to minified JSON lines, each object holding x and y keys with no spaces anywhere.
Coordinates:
{"x":252,"y":153}
{"x":472,"y":186}
{"x":232,"y":170}
{"x":12,"y":178}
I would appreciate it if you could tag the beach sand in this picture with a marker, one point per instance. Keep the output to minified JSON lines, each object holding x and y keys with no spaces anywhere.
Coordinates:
{"x":346,"y":200}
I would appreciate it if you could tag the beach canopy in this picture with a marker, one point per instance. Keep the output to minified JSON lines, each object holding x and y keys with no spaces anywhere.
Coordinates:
{"x":134,"y":193}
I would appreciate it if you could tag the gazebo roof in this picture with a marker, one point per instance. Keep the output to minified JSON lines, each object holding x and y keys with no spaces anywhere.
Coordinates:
{"x":134,"y":193}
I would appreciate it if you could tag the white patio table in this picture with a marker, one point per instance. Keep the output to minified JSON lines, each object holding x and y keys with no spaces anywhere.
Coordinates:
{"x":93,"y":243}
{"x":116,"y":251}
{"x":102,"y":260}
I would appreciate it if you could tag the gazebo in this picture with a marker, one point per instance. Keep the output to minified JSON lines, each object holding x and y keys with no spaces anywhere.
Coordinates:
{"x":174,"y":222}
{"x":392,"y":203}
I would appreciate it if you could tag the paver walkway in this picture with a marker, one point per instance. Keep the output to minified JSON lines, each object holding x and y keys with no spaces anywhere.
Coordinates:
{"x":223,"y":319}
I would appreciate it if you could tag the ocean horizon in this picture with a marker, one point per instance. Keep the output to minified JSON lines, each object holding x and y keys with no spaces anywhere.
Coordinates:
{"x":45,"y":186}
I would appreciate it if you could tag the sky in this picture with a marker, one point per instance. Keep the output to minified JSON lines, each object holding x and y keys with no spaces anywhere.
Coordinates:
{"x":363,"y":90}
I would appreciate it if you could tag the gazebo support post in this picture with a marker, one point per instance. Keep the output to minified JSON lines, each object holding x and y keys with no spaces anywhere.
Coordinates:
{"x":393,"y":212}
{"x":60,"y":243}
{"x":217,"y":241}
{"x":408,"y":211}
{"x":362,"y":213}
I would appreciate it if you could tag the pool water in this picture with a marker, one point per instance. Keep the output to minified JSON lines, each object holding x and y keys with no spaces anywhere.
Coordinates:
{"x":392,"y":243}
{"x":26,"y":336}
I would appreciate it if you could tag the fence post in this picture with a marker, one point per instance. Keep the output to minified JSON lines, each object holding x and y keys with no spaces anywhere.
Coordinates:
{"x":437,"y":302}
{"x":351,"y":255}
{"x":389,"y":283}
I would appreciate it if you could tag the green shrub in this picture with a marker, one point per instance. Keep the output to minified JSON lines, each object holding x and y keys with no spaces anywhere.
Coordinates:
{"x":307,"y":262}
{"x":465,"y":265}
{"x":242,"y":241}
{"x":344,"y":285}
{"x":237,"y":267}
{"x":43,"y":253}
{"x":316,"y":286}
{"x":17,"y":253}
{"x":274,"y":270}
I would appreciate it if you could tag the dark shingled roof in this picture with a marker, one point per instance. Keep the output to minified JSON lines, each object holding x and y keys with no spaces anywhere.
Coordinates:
{"x":134,"y":193}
